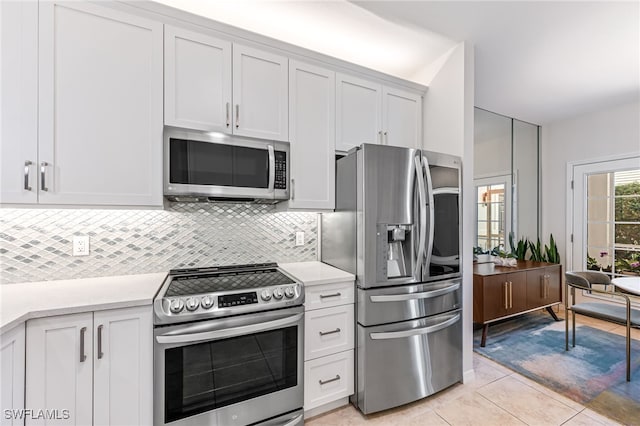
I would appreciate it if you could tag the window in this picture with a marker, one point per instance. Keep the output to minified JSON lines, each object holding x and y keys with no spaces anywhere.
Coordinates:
{"x":613,"y":222}
{"x":491,"y":216}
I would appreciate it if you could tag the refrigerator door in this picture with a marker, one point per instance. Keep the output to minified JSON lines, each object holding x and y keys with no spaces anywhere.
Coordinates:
{"x":402,"y":303}
{"x":389,"y":371}
{"x":389,"y":234}
{"x":442,"y":259}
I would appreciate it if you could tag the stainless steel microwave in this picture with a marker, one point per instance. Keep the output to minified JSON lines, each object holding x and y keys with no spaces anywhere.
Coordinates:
{"x":201,"y":166}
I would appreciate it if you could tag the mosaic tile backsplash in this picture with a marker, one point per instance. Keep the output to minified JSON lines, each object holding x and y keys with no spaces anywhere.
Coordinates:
{"x":36,"y":245}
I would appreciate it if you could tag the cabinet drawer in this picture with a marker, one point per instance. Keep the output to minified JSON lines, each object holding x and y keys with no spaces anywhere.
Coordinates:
{"x":328,"y":331}
{"x":327,"y":379}
{"x":326,"y":295}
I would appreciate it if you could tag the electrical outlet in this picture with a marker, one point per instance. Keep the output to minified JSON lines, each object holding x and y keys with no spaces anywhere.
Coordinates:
{"x":299,"y":238}
{"x":81,"y":245}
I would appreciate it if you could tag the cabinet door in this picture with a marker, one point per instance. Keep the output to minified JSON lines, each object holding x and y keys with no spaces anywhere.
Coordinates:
{"x":260,"y":85}
{"x":517,"y":292}
{"x":12,"y":373}
{"x":358,"y":112}
{"x":19,"y":101}
{"x":402,"y":118}
{"x":60,"y":367}
{"x":495,"y":296}
{"x":312,"y":136}
{"x":537,"y":291}
{"x":123,"y":366}
{"x":554,"y":283}
{"x":100,"y":98}
{"x":197,"y":81}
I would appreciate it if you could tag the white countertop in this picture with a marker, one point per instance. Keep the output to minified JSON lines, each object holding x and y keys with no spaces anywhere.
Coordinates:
{"x":314,"y":273}
{"x":24,"y":301}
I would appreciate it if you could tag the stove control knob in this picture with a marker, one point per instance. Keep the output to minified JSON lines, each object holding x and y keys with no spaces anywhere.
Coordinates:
{"x":207,"y":302}
{"x":277,"y":293}
{"x":265,"y":295}
{"x":176,"y":306}
{"x":192,"y":304}
{"x":289,"y":292}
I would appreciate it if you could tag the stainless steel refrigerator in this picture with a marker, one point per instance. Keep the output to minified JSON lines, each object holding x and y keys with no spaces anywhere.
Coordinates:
{"x":397,"y":228}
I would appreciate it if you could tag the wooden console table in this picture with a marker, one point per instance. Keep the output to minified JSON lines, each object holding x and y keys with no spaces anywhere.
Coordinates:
{"x":501,"y":292}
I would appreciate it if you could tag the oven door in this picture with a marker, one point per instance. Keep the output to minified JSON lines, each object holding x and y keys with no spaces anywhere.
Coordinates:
{"x":229,"y":371}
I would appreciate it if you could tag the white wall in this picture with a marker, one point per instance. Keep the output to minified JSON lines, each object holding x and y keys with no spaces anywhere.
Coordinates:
{"x":607,"y":133}
{"x":448,"y":128}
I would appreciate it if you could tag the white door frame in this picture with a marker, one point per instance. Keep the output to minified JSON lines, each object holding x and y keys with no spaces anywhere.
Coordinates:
{"x":576,"y":200}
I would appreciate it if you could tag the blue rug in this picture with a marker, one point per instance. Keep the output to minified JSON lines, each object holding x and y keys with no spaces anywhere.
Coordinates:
{"x":592,"y":373}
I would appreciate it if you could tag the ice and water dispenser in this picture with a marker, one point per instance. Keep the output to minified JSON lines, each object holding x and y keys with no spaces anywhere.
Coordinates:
{"x":395,"y":251}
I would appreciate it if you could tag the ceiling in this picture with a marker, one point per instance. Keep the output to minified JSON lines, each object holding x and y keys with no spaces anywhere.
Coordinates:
{"x":538,"y":61}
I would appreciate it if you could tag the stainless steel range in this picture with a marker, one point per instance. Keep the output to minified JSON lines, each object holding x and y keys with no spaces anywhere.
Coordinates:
{"x":229,"y":347}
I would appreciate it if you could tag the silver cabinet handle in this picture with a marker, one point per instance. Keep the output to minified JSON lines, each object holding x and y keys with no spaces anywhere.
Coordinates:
{"x":43,"y":173}
{"x":26,"y":175}
{"x":237,"y":116}
{"x":380,"y":137}
{"x":228,"y":122}
{"x":83,"y":356}
{"x":386,"y":138}
{"x":324,"y":333}
{"x":293,"y":189}
{"x":414,"y":332}
{"x":415,"y":296}
{"x":324,"y":296}
{"x":100,"y":354}
{"x":324,"y":382}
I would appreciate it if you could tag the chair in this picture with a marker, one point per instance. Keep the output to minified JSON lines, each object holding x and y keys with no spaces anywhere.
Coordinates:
{"x":618,"y":314}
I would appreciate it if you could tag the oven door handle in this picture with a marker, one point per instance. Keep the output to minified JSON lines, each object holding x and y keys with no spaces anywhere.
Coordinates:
{"x":414,"y":332}
{"x":415,"y":296}
{"x":202,"y":334}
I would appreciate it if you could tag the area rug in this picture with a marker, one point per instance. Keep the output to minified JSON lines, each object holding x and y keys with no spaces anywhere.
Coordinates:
{"x":592,"y":373}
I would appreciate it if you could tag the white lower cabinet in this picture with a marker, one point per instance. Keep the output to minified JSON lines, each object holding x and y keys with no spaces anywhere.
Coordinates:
{"x":91,"y":368}
{"x":327,"y":379}
{"x":12,"y":374}
{"x":329,"y":341}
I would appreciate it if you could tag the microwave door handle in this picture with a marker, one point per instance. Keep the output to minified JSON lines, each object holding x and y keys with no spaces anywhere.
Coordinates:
{"x":422,"y":221}
{"x":203,"y":334}
{"x":427,"y":172}
{"x":272,"y":167}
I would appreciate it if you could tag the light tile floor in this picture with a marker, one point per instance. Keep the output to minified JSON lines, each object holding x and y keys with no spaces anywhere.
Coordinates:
{"x":497,"y":396}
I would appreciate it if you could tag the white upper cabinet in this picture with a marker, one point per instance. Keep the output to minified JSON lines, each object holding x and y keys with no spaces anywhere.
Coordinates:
{"x":100,"y":101}
{"x":19,"y":102}
{"x":402,"y":118}
{"x":312,"y":132}
{"x":358,"y":112}
{"x":260,"y":94}
{"x":368,"y":112}
{"x":197,"y":81}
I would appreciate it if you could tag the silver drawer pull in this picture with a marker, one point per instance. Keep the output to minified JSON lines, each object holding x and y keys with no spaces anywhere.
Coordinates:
{"x":324,"y":333}
{"x":83,"y":356}
{"x":324,"y":296}
{"x":324,"y":382}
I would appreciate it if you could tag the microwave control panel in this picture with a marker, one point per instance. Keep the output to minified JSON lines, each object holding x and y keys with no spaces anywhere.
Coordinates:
{"x":281,"y":170}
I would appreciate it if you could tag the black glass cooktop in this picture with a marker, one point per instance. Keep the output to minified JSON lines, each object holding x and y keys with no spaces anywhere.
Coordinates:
{"x":210,"y":282}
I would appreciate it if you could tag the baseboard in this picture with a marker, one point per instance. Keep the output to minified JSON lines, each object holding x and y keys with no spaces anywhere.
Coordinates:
{"x":326,"y":407}
{"x":468,"y":376}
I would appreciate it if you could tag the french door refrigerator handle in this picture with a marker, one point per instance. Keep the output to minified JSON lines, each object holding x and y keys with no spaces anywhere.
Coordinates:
{"x":415,"y":296}
{"x":415,"y":332}
{"x":422,"y":236}
{"x":427,"y":261}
